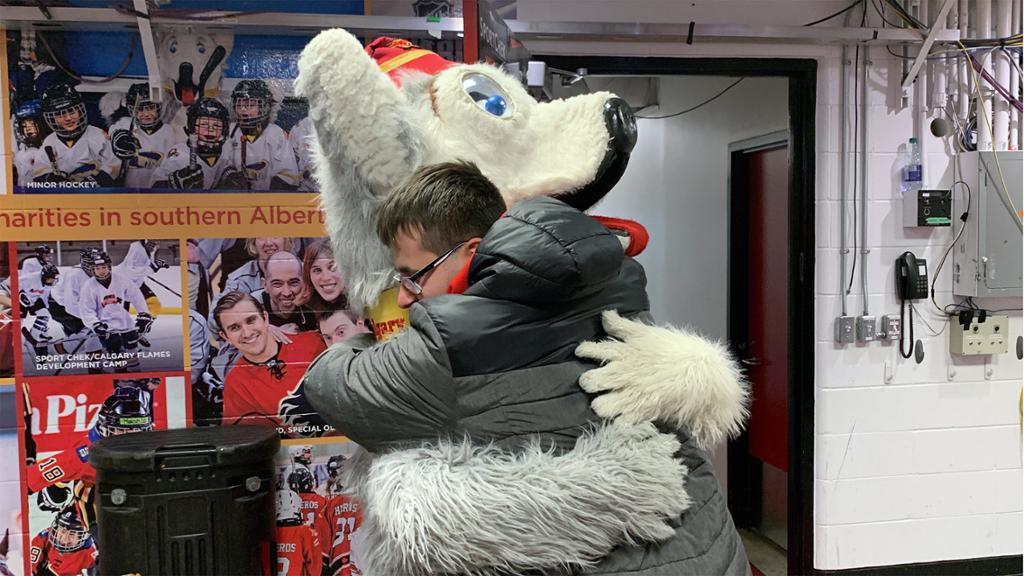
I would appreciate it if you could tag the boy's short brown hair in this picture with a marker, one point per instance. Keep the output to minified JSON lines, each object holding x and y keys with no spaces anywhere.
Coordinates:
{"x":447,"y":203}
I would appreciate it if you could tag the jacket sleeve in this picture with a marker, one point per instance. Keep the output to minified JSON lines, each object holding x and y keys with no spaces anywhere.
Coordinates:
{"x":397,"y":391}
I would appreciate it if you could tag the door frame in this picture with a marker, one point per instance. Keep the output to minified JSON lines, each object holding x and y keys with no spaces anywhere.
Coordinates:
{"x":802,"y":76}
{"x":745,"y":474}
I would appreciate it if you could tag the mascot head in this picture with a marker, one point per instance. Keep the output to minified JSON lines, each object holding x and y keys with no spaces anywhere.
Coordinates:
{"x":183,"y":55}
{"x":381,"y":112}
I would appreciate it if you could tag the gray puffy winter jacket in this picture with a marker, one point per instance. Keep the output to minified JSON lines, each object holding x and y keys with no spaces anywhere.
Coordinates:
{"x":487,"y":455}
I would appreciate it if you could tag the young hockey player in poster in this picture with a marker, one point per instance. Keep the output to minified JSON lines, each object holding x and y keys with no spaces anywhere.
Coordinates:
{"x":262,"y":149}
{"x":267,"y":375}
{"x":301,"y":455}
{"x":138,"y":264}
{"x":71,"y":283}
{"x":76,"y":154}
{"x":104,"y":311}
{"x":202,"y":163}
{"x":34,"y":263}
{"x":34,"y":296}
{"x":298,"y":548}
{"x":343,"y":517}
{"x":66,"y":548}
{"x":298,"y":138}
{"x":30,"y":131}
{"x":127,"y":410}
{"x":141,"y":140}
{"x":314,"y":506}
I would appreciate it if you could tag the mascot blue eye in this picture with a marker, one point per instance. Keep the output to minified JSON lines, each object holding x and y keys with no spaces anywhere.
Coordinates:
{"x":173,"y":47}
{"x":201,"y":48}
{"x":486,"y":93}
{"x":495,"y":105}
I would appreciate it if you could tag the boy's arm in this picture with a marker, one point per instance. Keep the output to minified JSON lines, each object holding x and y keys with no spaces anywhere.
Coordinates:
{"x":396,"y":391}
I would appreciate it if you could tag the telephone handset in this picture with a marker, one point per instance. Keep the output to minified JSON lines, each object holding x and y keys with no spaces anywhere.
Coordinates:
{"x":911,"y":277}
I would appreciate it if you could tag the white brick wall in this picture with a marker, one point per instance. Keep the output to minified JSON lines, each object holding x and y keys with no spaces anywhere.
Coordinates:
{"x":913,"y":462}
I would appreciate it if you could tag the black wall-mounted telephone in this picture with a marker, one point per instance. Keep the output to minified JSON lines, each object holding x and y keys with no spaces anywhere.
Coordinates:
{"x":911,"y":277}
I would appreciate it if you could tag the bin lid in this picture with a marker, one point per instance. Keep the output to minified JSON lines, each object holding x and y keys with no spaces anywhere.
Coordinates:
{"x":208,"y":446}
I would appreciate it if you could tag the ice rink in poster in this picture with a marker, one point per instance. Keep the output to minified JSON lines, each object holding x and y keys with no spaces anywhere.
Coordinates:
{"x":93,"y":307}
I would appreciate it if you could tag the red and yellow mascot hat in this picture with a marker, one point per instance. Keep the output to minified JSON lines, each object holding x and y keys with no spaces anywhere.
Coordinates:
{"x":395,"y":56}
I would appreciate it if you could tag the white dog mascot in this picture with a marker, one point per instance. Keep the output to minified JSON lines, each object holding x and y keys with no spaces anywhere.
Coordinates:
{"x":378,"y":114}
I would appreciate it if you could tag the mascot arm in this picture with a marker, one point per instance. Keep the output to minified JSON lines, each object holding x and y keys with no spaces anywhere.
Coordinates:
{"x":667,"y":375}
{"x":357,"y":111}
{"x":362,"y":149}
{"x":397,"y":391}
{"x":463,"y":508}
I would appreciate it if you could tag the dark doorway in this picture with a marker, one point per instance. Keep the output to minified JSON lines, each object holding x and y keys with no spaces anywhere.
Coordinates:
{"x":792,"y":276}
{"x":758,"y":309}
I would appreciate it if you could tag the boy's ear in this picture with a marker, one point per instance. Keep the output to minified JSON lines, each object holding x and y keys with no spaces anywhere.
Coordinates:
{"x":472,"y":245}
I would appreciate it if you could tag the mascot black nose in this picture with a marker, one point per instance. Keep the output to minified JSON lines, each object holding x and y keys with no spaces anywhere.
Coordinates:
{"x":621,"y":124}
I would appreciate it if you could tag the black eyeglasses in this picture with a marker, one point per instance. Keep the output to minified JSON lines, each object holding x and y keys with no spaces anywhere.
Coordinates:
{"x":412,"y":282}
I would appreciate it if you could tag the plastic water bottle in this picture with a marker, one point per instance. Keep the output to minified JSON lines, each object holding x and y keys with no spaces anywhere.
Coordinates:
{"x":911,"y":180}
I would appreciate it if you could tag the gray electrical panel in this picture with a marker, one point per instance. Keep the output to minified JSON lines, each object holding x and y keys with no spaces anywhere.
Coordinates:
{"x":987,"y":258}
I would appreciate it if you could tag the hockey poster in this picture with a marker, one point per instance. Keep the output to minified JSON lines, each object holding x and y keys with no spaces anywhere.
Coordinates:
{"x":59,"y":480}
{"x":260,"y":310}
{"x":83,"y":312}
{"x":212,"y":125}
{"x":317,"y":517}
{"x":164,"y":265}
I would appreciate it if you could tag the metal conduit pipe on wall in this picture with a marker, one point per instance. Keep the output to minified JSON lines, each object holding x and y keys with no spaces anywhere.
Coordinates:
{"x":843,"y":160}
{"x":983,"y":9}
{"x":864,"y":179}
{"x":1001,"y":107}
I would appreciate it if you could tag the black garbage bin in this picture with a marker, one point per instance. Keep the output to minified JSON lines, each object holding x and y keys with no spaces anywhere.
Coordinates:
{"x":189,"y":502}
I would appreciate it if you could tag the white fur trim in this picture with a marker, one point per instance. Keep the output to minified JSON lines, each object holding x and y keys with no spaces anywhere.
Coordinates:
{"x":464,"y":509}
{"x":668,"y":375}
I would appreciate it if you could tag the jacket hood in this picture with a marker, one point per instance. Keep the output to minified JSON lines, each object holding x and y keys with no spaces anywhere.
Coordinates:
{"x":544,"y":251}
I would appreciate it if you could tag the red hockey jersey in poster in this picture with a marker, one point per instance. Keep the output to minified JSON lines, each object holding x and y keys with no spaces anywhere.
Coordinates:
{"x":46,"y":560}
{"x":343,"y":516}
{"x":298,"y":551}
{"x":64,"y":466}
{"x":314,"y":507}
{"x":256,"y":390}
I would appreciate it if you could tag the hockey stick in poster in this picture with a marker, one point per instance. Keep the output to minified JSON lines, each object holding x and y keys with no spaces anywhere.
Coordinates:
{"x":30,"y":443}
{"x":53,"y":159}
{"x":164,"y":286}
{"x":213,"y":62}
{"x":81,"y":341}
{"x":122,"y":174}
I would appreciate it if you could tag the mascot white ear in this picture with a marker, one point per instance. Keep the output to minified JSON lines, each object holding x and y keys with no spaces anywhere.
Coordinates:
{"x":381,"y":112}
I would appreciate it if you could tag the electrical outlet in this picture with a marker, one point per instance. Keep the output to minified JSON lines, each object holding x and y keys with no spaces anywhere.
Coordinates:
{"x":891,"y":326}
{"x":978,"y":338}
{"x":866,"y":328}
{"x":845,"y":330}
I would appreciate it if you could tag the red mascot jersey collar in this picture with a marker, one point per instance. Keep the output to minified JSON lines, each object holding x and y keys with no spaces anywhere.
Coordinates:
{"x":638,"y":238}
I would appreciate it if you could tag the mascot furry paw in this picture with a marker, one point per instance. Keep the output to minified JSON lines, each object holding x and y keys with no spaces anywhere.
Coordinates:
{"x":666,"y":375}
{"x":378,"y":114}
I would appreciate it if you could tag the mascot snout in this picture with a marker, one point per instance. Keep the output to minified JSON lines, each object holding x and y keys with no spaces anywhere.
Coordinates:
{"x":620,"y":122}
{"x":184,"y":87}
